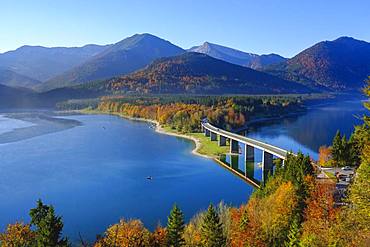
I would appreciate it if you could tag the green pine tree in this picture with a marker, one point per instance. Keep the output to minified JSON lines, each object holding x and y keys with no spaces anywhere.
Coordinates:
{"x":48,"y":226}
{"x":212,"y":229}
{"x":293,"y":235}
{"x":337,"y":148}
{"x":175,"y":227}
{"x":345,"y":158}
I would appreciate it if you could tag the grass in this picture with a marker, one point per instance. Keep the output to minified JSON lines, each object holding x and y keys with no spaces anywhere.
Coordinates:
{"x":207,"y":147}
{"x":330,"y":175}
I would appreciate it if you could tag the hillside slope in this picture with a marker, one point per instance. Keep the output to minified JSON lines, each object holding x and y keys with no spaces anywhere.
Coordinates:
{"x":198,"y":74}
{"x":42,"y":63}
{"x":13,"y":79}
{"x":342,"y":64}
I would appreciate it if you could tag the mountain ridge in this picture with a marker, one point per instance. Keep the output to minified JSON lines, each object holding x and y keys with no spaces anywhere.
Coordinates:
{"x":42,"y":63}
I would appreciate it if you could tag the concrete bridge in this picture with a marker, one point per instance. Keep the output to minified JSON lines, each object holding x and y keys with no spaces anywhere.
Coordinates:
{"x":268,"y":150}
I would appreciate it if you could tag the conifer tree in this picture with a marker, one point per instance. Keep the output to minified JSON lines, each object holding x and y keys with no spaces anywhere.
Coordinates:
{"x":212,"y":230}
{"x":293,"y":235}
{"x":48,"y":226}
{"x":337,"y":148}
{"x":175,"y":227}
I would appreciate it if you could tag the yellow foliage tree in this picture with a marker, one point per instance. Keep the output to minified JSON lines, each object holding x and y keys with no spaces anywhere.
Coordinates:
{"x":125,"y":234}
{"x":17,"y":235}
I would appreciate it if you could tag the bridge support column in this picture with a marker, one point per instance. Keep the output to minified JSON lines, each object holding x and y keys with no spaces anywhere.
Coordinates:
{"x":267,"y":161}
{"x":234,"y":160}
{"x":207,"y":132}
{"x":249,"y":153}
{"x":234,"y":146}
{"x":213,"y":136}
{"x":222,"y":141}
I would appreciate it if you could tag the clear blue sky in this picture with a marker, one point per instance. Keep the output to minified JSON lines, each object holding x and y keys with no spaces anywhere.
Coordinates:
{"x":260,"y":26}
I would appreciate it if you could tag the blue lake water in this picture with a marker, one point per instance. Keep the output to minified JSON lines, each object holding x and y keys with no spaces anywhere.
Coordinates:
{"x":95,"y":173}
{"x":93,"y":168}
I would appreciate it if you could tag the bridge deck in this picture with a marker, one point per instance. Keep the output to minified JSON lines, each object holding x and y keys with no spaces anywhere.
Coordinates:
{"x":279,"y":152}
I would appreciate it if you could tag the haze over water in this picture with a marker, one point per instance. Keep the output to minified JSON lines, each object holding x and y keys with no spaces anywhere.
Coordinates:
{"x":93,"y":168}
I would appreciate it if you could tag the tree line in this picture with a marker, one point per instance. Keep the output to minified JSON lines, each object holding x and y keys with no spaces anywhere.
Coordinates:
{"x":184,"y":113}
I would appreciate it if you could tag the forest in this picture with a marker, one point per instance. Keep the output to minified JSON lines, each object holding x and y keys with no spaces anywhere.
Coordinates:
{"x":184,"y":113}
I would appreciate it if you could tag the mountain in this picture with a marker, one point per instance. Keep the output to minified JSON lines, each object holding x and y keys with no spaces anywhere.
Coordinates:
{"x":342,"y":64}
{"x":11,"y":78}
{"x":11,"y":97}
{"x":14,"y":97}
{"x":199,"y":74}
{"x":230,"y":55}
{"x":42,"y":63}
{"x":262,"y":61}
{"x":126,"y":56}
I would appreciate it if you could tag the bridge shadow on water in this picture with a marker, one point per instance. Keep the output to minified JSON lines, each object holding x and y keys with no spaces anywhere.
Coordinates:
{"x":249,"y":169}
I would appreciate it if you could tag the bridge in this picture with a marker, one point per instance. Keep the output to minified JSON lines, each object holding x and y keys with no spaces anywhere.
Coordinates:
{"x":268,"y":150}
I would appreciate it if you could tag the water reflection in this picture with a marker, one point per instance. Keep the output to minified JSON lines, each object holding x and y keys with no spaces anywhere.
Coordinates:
{"x":305,"y":133}
{"x":308,"y":132}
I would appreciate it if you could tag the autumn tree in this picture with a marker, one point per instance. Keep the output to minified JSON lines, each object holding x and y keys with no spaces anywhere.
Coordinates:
{"x":159,"y":237}
{"x":130,"y":233}
{"x":17,"y":235}
{"x":175,"y":227}
{"x":192,"y":231}
{"x":325,"y":155}
{"x":48,"y":226}
{"x":212,"y":234}
{"x":320,"y":215}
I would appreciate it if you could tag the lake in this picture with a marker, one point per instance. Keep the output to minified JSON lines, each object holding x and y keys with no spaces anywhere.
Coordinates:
{"x":94,"y":168}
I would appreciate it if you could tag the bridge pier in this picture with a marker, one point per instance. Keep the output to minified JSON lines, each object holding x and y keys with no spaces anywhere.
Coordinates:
{"x":249,"y":153}
{"x":234,"y":160}
{"x":213,"y":136}
{"x":207,"y":132}
{"x":249,"y":169}
{"x":234,"y":146}
{"x":267,"y":161}
{"x":222,"y":141}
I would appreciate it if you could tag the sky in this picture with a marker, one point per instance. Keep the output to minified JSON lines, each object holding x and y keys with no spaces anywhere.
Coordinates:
{"x":285,"y":27}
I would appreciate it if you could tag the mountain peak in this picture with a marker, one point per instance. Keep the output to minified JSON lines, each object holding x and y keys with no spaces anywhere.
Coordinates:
{"x":234,"y":56}
{"x":123,"y":57}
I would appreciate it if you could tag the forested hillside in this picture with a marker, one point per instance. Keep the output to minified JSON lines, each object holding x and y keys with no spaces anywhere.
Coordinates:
{"x":198,"y":73}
